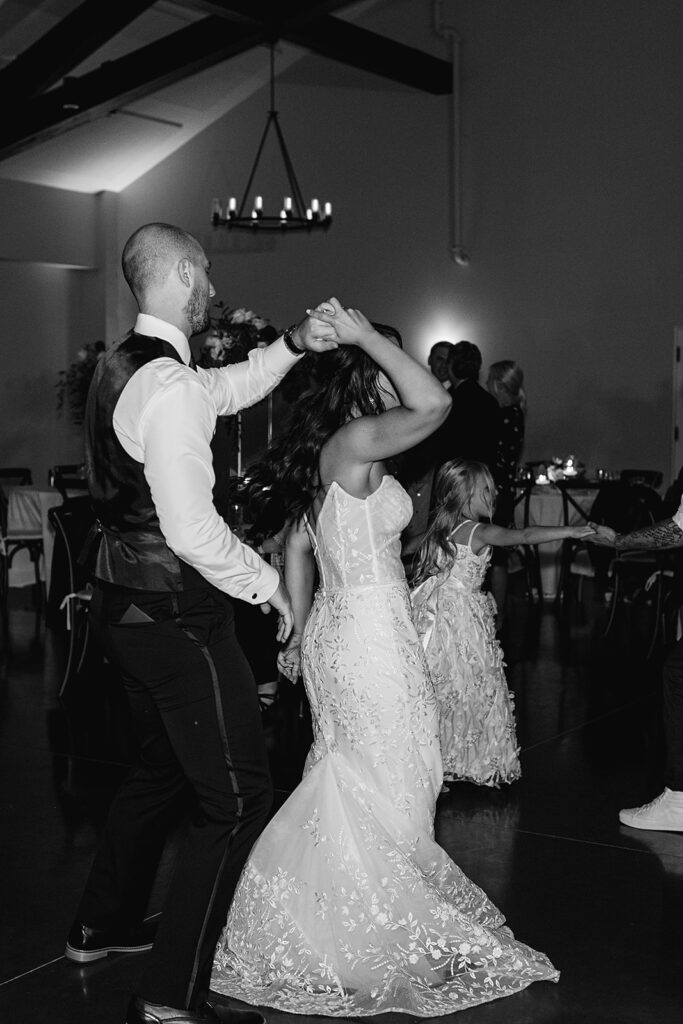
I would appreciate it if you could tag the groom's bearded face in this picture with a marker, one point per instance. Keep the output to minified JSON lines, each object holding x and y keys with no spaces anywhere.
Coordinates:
{"x":198,"y":306}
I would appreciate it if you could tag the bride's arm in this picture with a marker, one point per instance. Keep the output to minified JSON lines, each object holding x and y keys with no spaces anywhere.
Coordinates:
{"x":420,"y":405}
{"x":299,"y":580}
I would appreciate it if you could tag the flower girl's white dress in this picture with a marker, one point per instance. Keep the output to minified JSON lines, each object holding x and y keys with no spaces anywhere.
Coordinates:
{"x":347,"y":906}
{"x":456,"y":621}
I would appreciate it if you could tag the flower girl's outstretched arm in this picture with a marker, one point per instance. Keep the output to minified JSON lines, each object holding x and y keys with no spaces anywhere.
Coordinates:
{"x":499,"y":537}
{"x":299,"y":579}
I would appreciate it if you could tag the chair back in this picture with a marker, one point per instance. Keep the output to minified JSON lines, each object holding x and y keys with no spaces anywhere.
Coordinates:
{"x":626,"y":507}
{"x":11,"y":476}
{"x":69,"y":479}
{"x":71,"y":522}
{"x":15,"y":476}
{"x":646,"y":477}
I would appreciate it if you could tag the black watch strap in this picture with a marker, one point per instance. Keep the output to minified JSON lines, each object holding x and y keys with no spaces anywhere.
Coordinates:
{"x":289,"y":341}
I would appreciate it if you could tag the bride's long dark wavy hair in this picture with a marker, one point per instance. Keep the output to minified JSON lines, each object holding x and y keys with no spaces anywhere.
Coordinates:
{"x":284,"y":483}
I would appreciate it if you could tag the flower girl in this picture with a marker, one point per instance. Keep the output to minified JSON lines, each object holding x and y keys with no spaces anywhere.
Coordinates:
{"x":456,"y":622}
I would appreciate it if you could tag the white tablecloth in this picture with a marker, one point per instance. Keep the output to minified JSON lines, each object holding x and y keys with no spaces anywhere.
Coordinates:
{"x":545,"y":509}
{"x":27,"y":509}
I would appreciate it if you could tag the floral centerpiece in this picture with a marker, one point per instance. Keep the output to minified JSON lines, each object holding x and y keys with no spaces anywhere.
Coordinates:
{"x":234,"y":333}
{"x":73,"y":383}
{"x":569,"y":468}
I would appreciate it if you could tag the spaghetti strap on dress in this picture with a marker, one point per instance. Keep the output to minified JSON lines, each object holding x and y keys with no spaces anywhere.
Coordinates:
{"x":456,"y":621}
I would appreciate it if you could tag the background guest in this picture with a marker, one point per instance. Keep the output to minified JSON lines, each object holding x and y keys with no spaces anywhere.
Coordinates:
{"x":415,"y":468}
{"x":665,"y":812}
{"x":506,"y":383}
{"x":471,"y":429}
{"x":438,"y":362}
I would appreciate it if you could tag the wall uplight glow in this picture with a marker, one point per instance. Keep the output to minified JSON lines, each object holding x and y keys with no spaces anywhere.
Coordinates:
{"x":441,"y":327}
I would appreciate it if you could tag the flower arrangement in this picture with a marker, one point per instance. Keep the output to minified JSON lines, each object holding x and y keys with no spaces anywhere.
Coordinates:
{"x":73,"y":383}
{"x":560,"y":469}
{"x":234,"y":333}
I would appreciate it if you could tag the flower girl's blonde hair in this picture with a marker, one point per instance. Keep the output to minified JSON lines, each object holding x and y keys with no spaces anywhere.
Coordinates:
{"x":457,"y":482}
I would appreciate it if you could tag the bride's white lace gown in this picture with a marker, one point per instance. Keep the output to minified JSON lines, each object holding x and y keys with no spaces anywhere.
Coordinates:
{"x":347,"y":906}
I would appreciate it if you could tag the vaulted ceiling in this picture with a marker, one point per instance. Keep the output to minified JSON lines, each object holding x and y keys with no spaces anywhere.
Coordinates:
{"x":101,"y":91}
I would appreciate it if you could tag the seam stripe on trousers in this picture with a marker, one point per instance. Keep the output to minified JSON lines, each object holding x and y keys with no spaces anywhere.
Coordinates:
{"x":235,"y":786}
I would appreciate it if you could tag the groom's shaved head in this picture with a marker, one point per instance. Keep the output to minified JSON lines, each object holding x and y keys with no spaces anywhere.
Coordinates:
{"x":152,"y":250}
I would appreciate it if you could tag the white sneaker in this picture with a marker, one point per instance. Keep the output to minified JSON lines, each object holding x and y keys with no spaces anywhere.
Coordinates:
{"x":663,"y":814}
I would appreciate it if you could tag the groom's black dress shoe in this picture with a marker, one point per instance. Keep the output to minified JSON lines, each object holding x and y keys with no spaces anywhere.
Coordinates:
{"x":86,"y":944}
{"x":142,"y":1012}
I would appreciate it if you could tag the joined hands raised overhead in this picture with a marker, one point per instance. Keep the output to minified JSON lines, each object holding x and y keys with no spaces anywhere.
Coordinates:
{"x":350,"y":326}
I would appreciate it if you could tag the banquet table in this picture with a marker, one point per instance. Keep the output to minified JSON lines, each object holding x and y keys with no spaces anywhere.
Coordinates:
{"x":27,"y":509}
{"x":546,"y":509}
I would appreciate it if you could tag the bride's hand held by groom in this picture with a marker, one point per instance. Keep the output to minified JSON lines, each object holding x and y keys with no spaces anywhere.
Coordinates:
{"x":350,"y":326}
{"x":289,"y":659}
{"x":313,"y":334}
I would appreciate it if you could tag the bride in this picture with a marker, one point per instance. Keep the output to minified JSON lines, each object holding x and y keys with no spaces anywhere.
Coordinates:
{"x":347,"y":906}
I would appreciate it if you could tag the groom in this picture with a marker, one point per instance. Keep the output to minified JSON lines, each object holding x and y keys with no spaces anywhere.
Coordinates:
{"x":164,"y":565}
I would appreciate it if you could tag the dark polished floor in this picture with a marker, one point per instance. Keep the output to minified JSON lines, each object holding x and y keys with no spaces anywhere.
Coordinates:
{"x":604,"y":901}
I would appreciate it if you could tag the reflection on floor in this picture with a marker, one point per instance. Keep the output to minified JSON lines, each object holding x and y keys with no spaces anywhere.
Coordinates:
{"x":604,"y":901}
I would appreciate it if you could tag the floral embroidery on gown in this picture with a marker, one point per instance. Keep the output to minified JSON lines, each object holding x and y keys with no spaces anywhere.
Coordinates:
{"x":456,"y":621}
{"x":347,"y":906}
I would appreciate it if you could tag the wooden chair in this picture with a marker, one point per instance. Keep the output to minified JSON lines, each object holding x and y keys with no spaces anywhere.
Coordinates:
{"x":69,"y":480}
{"x":576,"y":559}
{"x":16,"y":476}
{"x":70,"y":592}
{"x":13,"y":540}
{"x":647,"y":477}
{"x":528,"y":553}
{"x":640,"y":578}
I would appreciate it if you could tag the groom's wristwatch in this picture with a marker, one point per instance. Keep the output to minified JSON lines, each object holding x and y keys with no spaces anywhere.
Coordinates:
{"x":289,"y":341}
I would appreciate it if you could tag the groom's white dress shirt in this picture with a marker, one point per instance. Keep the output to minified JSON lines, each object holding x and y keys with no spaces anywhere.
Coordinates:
{"x":165,"y":419}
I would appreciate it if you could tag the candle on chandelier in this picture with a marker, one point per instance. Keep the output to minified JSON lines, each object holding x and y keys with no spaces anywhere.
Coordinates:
{"x":288,"y":204}
{"x":328,"y":209}
{"x":216,"y":211}
{"x":232,"y":205}
{"x":258,"y":203}
{"x":315,"y":206}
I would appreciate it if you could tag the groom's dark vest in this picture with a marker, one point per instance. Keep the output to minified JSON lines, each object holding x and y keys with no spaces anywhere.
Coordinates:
{"x":132,"y":551}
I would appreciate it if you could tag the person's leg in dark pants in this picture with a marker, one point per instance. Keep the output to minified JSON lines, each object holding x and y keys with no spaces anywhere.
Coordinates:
{"x":665,"y":812}
{"x":195,"y":710}
{"x":673,"y":716}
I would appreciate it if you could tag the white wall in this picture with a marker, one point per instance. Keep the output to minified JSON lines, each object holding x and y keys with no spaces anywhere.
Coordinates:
{"x":573,"y":210}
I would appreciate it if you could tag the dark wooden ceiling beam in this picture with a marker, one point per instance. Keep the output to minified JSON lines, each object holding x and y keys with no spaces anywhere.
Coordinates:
{"x":267,"y":12}
{"x":207,"y":42}
{"x":310,"y":25}
{"x":67,"y":44}
{"x":116,"y":83}
{"x":358,"y":47}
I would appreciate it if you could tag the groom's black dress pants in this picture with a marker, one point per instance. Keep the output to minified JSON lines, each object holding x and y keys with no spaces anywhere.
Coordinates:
{"x":195,"y":712}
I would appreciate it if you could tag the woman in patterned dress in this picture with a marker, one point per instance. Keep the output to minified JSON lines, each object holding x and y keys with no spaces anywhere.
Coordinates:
{"x":347,"y":907}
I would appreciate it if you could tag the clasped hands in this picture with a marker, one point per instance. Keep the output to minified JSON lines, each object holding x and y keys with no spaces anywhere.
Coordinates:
{"x":594,"y":533}
{"x":603,"y":536}
{"x":329,"y":325}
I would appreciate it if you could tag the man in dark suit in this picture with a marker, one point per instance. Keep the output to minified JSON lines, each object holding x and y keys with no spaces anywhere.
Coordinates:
{"x":470,"y":430}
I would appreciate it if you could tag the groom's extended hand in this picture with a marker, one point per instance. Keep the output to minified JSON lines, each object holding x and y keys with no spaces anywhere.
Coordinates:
{"x":282,"y":604}
{"x":312,"y":335}
{"x":350,"y":326}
